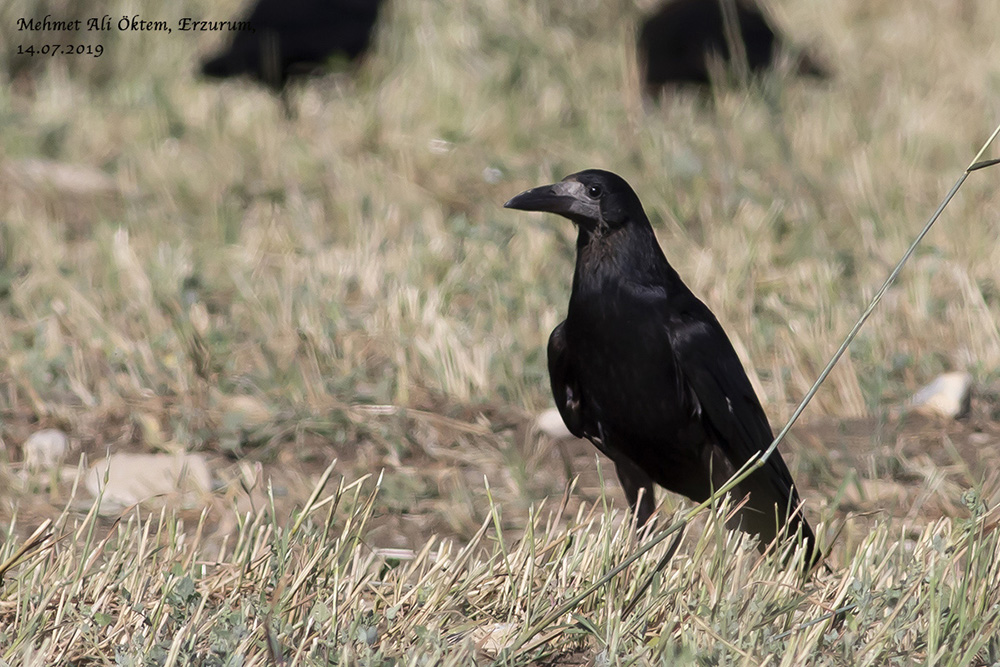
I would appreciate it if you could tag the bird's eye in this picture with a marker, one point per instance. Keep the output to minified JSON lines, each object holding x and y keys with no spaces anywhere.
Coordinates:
{"x":595,"y":191}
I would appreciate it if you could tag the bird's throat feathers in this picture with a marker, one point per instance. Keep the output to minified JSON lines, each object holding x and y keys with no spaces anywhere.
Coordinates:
{"x":630,"y":252}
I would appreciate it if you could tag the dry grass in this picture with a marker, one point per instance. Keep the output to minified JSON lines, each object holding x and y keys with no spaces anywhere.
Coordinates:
{"x":182,"y":267}
{"x":313,"y":591}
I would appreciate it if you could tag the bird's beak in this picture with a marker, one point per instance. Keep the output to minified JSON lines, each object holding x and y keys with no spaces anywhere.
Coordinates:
{"x":561,"y":198}
{"x":566,"y":198}
{"x":543,"y":198}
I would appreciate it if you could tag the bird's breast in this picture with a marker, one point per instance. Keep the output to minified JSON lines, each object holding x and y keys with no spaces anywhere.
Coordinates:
{"x":625,"y":363}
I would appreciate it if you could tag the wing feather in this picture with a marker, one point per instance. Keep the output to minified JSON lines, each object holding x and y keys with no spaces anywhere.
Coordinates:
{"x":565,"y":388}
{"x":713,"y":371}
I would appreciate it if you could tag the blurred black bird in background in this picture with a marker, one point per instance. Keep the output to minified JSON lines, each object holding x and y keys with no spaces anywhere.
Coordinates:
{"x":294,"y":37}
{"x":678,"y":41}
{"x":643,"y":369}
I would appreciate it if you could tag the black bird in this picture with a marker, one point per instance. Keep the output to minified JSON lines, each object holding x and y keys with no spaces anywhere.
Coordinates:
{"x":642,"y":368}
{"x":291,"y":37}
{"x":678,"y":40}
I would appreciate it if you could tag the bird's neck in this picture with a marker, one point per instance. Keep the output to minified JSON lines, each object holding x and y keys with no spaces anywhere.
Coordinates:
{"x":628,"y":254}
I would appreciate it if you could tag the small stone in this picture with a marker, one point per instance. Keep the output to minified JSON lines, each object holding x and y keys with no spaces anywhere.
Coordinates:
{"x":551,"y":424}
{"x":45,"y":449}
{"x":126,"y":479}
{"x":243,"y":411}
{"x":949,"y":395}
{"x":492,"y":175}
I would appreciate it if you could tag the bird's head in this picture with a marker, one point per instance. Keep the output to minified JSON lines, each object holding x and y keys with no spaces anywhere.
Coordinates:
{"x":600,"y":202}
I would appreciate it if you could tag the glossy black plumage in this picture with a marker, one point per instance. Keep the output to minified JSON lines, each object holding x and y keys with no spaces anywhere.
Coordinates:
{"x":293,"y":37}
{"x":643,"y":369}
{"x":677,"y":41}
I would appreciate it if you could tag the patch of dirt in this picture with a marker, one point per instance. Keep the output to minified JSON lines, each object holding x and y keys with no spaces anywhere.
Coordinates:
{"x":852,"y":473}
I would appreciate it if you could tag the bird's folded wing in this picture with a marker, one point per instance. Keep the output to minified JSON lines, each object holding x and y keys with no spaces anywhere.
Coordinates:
{"x":565,"y":389}
{"x":713,"y":371}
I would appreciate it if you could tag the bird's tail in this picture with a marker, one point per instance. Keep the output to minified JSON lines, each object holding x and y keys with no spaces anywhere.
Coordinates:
{"x":773,"y":510}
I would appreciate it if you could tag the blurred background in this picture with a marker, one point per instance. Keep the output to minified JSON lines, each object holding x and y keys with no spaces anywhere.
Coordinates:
{"x":266,"y":283}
